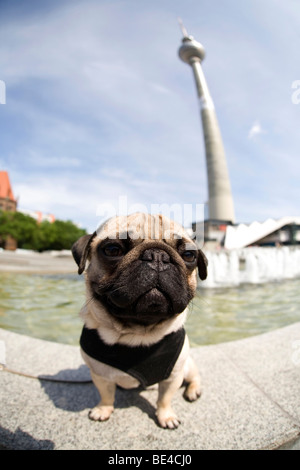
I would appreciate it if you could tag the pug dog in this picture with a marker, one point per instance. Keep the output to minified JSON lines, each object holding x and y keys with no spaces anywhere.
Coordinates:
{"x":140,"y":273}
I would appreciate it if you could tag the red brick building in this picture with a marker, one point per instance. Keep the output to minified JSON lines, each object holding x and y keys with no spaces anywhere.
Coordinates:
{"x":7,"y":199}
{"x":7,"y":203}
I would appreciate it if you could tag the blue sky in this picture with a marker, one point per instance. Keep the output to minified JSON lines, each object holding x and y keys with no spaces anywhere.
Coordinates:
{"x":98,"y":104}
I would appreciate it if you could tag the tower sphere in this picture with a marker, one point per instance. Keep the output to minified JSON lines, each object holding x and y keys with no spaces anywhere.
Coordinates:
{"x":191,"y":49}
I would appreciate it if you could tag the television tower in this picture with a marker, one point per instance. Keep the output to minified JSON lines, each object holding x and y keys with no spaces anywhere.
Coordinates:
{"x":220,"y":206}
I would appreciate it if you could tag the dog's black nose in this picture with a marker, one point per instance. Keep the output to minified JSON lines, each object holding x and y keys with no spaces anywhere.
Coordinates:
{"x":157,"y":259}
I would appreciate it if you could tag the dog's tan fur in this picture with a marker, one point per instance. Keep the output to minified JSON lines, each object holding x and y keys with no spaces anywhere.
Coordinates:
{"x":145,"y":231}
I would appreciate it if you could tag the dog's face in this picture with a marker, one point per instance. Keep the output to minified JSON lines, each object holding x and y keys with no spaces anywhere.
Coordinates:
{"x":142,"y":268}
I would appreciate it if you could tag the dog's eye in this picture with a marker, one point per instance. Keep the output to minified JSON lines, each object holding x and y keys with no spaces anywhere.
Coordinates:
{"x":189,"y":256}
{"x":114,"y":251}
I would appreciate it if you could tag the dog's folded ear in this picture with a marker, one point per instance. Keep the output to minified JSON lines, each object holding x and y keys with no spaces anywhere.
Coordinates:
{"x":202,"y":265}
{"x":81,"y":249}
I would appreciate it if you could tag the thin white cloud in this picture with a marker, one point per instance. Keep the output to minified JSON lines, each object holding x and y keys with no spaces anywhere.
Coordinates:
{"x":255,"y":130}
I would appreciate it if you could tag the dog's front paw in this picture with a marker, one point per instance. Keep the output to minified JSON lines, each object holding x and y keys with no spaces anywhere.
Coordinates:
{"x":167,"y":419}
{"x":101,"y":413}
{"x":192,"y":391}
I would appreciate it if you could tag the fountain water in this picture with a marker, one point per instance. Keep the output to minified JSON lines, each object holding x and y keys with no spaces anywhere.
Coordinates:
{"x":252,"y":265}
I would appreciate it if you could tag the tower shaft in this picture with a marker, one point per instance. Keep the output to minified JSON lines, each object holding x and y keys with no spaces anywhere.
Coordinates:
{"x":220,"y":203}
{"x":219,"y":190}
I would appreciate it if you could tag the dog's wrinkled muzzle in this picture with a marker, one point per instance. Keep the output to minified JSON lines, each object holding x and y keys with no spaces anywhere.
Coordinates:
{"x":158,"y":292}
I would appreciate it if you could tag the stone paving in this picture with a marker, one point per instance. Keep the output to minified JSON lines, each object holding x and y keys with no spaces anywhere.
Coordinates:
{"x":250,"y":399}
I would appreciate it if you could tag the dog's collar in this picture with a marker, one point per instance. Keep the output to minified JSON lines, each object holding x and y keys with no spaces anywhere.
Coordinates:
{"x":148,"y":364}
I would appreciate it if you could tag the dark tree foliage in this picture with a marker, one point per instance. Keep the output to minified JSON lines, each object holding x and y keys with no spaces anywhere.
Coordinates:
{"x":59,"y":235}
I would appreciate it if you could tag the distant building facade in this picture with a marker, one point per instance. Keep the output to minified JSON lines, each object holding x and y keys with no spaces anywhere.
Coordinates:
{"x":216,"y":234}
{"x":39,"y":216}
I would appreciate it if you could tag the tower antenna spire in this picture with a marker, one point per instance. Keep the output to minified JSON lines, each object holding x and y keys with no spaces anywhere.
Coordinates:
{"x":183,"y":29}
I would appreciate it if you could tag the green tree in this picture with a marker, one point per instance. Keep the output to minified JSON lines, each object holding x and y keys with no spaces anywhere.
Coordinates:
{"x":59,"y":235}
{"x":42,"y":236}
{"x":19,"y":226}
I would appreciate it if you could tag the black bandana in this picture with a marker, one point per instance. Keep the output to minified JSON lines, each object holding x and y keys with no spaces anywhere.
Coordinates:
{"x":148,"y":364}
